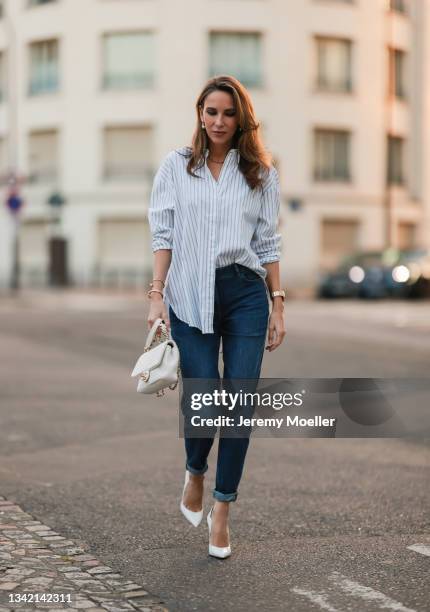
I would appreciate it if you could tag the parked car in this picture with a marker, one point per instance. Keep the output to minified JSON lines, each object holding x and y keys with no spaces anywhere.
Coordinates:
{"x":379,"y":274}
{"x":346,"y":280}
{"x":411,"y":274}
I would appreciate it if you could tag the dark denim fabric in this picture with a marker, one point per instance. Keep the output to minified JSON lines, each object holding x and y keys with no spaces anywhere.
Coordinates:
{"x":240,"y":319}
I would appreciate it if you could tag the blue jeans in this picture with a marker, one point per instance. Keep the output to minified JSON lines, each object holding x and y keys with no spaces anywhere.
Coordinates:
{"x":240,"y":318}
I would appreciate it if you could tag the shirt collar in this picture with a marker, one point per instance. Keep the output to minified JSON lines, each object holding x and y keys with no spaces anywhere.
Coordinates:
{"x":229,"y":154}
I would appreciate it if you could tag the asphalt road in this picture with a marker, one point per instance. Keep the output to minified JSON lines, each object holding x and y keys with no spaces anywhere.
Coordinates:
{"x":319,"y":524}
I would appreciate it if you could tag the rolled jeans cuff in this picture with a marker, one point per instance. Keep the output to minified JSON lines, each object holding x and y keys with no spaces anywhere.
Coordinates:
{"x":225,"y":497}
{"x":194,"y":471}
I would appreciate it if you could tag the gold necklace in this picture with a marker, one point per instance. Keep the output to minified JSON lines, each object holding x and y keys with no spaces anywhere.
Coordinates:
{"x":215,"y":161}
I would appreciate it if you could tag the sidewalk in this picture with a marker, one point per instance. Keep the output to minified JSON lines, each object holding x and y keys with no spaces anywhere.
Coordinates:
{"x":73,"y":298}
{"x":91,"y":298}
{"x":39,"y":569}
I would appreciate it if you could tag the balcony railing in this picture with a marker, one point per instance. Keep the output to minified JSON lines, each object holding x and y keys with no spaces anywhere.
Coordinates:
{"x":43,"y":85}
{"x":47,"y":174}
{"x":341,"y":86}
{"x":128,"y":173}
{"x":128,"y":81}
{"x":246,"y":77}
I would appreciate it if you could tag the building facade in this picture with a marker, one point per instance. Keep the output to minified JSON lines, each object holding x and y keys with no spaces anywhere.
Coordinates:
{"x":94,"y":93}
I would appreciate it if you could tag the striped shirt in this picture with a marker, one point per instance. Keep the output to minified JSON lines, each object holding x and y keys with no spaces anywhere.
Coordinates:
{"x":207,"y":224}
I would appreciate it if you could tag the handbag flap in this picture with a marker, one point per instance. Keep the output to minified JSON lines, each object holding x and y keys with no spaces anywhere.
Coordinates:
{"x":151,"y":359}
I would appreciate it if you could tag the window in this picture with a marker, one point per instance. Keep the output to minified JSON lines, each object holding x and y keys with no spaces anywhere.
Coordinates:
{"x":338,"y":239}
{"x":397,"y":73}
{"x":129,"y":60}
{"x":123,"y":244}
{"x":34,"y":253}
{"x":400,"y":6}
{"x":43,"y":156}
{"x":395,"y":160}
{"x":238,"y":54}
{"x":128,"y":153}
{"x":44,"y":67}
{"x":331,"y":155}
{"x":334,"y":64}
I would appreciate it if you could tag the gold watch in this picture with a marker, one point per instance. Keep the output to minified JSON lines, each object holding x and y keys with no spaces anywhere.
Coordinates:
{"x":280,"y":293}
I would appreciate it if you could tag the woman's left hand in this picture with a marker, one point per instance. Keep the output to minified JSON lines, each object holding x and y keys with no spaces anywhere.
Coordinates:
{"x":276,"y":329}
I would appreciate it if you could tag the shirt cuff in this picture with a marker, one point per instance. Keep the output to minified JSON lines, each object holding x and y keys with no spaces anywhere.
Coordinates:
{"x":268,"y":258}
{"x":161,"y":243}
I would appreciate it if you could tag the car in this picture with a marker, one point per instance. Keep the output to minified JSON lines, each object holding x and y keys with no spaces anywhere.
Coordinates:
{"x":347,"y":279}
{"x":411,"y":274}
{"x":379,"y":274}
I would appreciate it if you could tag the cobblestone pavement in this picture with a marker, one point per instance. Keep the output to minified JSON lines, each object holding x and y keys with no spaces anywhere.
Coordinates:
{"x":39,"y":569}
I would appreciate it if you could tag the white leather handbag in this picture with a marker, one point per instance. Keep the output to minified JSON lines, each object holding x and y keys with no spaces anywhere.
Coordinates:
{"x":158,"y":365}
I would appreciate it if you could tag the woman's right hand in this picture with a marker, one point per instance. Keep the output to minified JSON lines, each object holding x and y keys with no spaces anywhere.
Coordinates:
{"x":157,"y":310}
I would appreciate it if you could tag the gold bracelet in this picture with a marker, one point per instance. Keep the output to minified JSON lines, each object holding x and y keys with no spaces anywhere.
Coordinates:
{"x":157,"y":279}
{"x":154,"y":291}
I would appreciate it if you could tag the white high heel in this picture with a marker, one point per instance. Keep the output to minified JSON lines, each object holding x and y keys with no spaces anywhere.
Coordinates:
{"x":217,"y":551}
{"x":194,"y":517}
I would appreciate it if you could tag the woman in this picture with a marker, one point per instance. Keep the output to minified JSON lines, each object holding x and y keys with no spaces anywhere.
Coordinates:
{"x":213,"y":217}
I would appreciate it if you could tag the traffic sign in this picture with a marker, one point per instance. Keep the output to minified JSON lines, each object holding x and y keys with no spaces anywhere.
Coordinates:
{"x":14,"y":202}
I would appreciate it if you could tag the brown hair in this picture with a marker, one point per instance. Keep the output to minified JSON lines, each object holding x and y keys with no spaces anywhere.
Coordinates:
{"x":254,"y":158}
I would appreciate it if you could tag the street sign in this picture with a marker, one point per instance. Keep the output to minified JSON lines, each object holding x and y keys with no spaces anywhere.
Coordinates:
{"x":14,"y":202}
{"x":56,"y":200}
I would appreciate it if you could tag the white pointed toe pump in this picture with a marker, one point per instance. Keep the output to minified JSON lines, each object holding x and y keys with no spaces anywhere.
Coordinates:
{"x":194,"y":517}
{"x":217,"y":551}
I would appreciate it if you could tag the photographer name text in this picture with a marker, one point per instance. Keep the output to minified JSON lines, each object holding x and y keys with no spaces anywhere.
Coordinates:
{"x":295,"y":421}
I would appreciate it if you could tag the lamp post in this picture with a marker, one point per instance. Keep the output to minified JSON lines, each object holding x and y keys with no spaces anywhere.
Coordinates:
{"x":14,"y":203}
{"x":58,"y":269}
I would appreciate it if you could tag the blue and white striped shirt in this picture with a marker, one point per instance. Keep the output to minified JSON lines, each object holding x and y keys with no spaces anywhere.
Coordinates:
{"x":207,"y":224}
